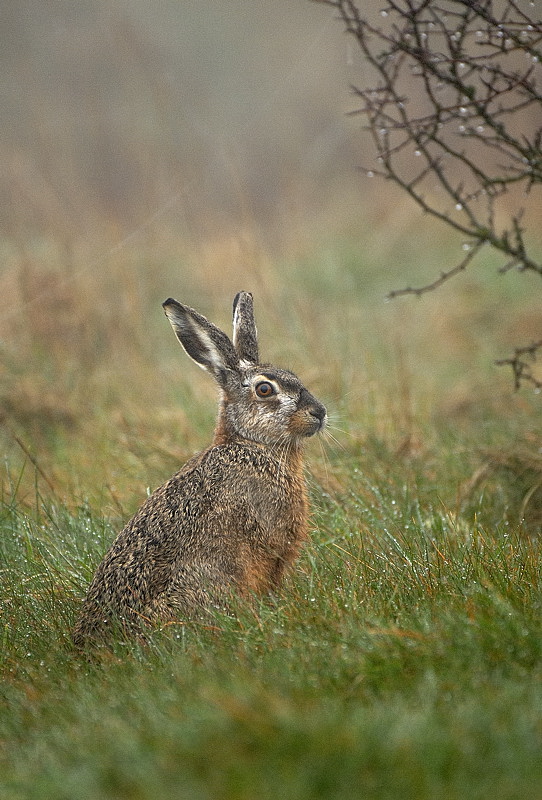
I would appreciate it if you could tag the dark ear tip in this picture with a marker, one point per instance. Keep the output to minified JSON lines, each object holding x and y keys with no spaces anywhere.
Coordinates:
{"x":169,"y":302}
{"x":238,"y":297}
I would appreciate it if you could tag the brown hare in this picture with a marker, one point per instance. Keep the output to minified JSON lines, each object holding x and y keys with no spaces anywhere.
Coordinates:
{"x":234,"y":517}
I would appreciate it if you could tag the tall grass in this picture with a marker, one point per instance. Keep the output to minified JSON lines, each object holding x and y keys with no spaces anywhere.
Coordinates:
{"x":402,"y":659}
{"x":403,"y":656}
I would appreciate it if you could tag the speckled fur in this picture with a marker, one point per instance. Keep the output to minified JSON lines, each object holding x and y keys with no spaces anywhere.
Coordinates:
{"x":235,"y":516}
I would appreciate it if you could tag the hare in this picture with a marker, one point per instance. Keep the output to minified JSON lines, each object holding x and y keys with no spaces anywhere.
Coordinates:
{"x":235,"y":516}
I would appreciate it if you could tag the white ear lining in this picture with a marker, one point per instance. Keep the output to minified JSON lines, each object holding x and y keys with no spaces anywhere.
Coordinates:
{"x":206,"y":344}
{"x":215,"y":357}
{"x":245,"y":334}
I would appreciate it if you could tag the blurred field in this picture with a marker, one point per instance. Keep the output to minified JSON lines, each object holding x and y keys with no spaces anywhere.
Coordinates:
{"x":99,"y":401}
{"x":192,"y":152}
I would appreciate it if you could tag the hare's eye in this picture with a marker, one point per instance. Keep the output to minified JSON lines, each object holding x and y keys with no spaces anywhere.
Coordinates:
{"x":264,"y":389}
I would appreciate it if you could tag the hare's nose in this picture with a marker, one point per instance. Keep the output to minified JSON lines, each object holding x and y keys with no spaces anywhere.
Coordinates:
{"x":318,"y":411}
{"x":311,"y":404}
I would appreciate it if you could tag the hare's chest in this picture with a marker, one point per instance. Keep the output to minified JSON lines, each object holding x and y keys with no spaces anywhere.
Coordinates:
{"x":279,"y":527}
{"x":280,"y":512}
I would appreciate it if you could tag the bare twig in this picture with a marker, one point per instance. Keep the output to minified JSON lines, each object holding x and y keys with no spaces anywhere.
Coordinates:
{"x":442,"y":278}
{"x":455,"y":106}
{"x":521,"y":363}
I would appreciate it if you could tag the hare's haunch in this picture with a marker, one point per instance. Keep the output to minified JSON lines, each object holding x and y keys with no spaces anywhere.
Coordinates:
{"x":234,"y":517}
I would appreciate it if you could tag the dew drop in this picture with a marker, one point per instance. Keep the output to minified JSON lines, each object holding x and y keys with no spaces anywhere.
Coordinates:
{"x":459,"y":206}
{"x":417,"y":152}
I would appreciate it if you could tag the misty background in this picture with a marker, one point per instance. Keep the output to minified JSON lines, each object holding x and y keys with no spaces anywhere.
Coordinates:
{"x":203,"y":115}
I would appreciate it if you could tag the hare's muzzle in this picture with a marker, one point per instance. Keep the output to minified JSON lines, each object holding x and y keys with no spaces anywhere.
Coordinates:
{"x":316,"y":413}
{"x":319,"y":414}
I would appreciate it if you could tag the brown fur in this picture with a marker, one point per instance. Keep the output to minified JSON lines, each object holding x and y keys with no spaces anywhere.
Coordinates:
{"x":233,"y":519}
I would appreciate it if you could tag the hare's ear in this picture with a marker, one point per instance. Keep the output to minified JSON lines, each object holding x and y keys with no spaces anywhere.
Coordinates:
{"x":206,"y":344}
{"x":245,"y":336}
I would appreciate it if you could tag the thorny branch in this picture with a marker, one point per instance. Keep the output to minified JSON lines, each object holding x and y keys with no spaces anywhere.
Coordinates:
{"x":454,"y":114}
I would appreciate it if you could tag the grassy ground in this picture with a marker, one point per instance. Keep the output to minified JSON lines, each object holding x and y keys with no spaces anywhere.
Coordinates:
{"x":403,"y":658}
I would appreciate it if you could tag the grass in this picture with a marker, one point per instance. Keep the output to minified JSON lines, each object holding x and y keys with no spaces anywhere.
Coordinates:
{"x":403,"y":658}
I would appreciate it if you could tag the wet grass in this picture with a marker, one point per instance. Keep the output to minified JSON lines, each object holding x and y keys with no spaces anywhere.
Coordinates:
{"x":403,"y":657}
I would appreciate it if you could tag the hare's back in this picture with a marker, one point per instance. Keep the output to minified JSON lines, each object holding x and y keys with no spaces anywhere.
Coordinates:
{"x":229,"y":494}
{"x":215,"y":492}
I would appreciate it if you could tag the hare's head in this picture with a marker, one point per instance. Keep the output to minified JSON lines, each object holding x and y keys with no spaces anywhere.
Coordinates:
{"x":260,"y":402}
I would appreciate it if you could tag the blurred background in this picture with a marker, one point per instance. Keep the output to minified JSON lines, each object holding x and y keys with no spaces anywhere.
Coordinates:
{"x":191,"y":149}
{"x":205,"y":116}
